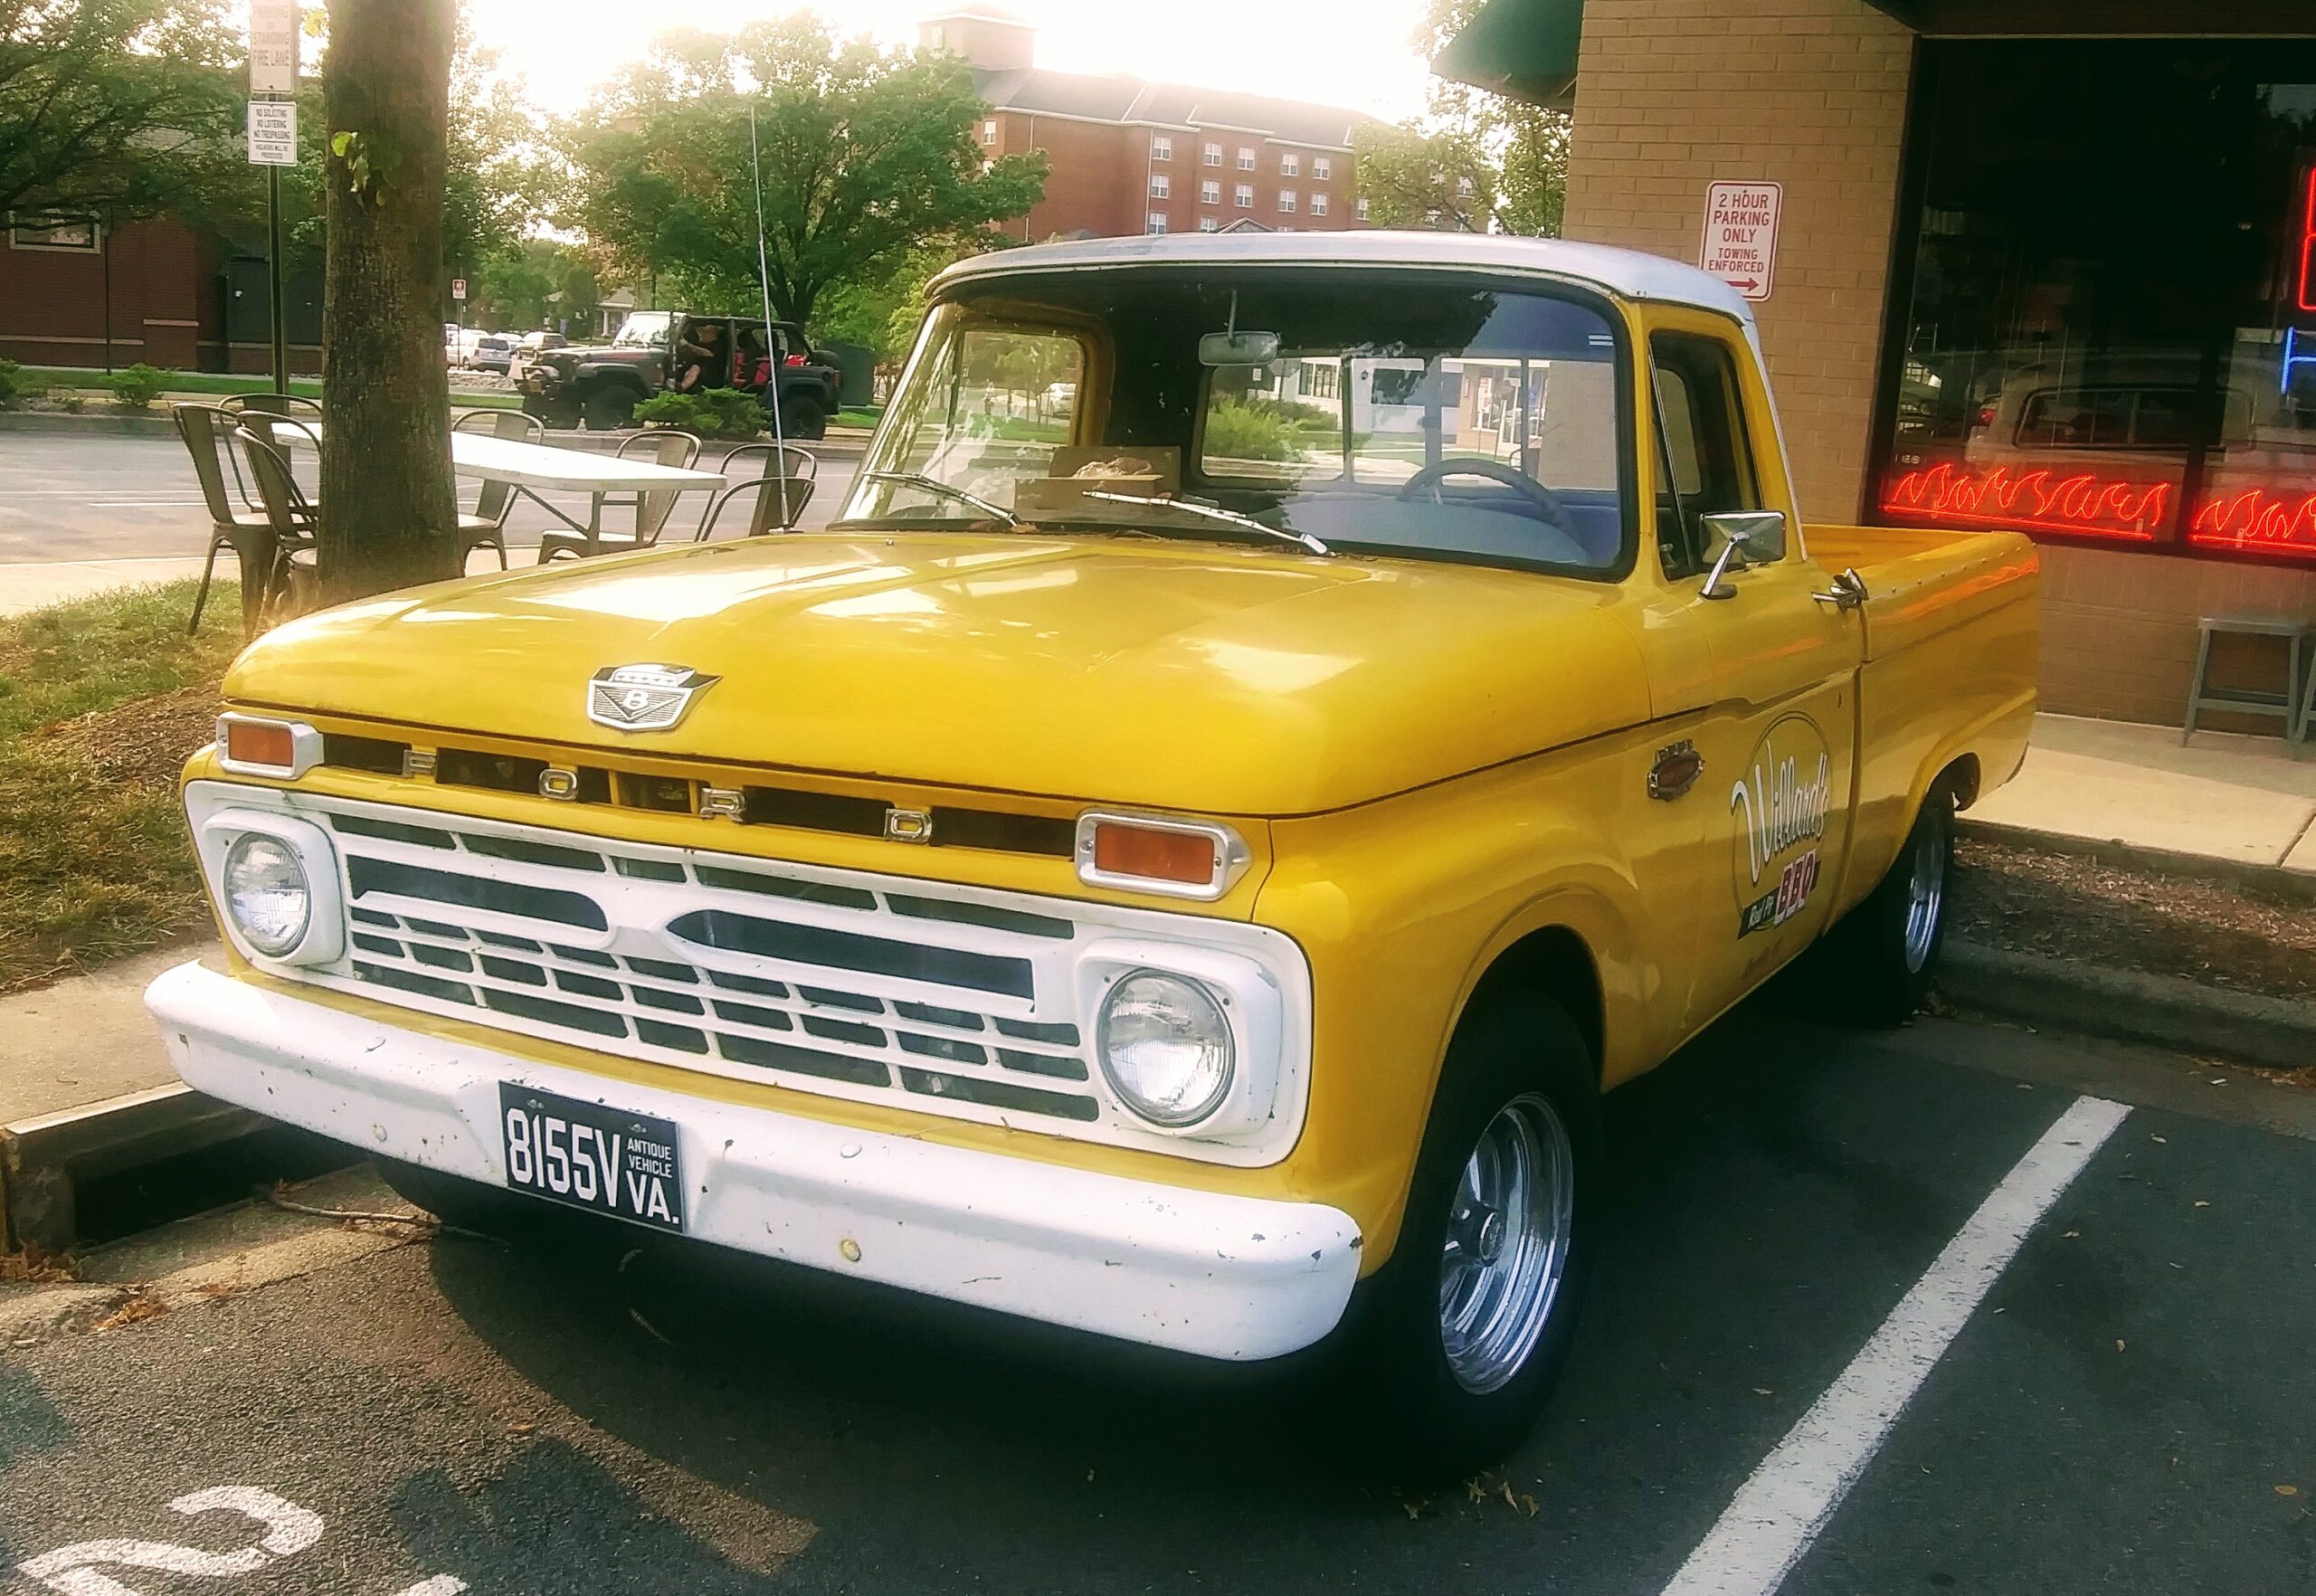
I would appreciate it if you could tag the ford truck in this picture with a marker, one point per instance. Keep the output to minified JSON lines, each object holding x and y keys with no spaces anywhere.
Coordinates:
{"x":1282,"y":724}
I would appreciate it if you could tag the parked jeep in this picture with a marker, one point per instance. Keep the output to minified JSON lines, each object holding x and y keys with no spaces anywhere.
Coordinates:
{"x":602,"y":385}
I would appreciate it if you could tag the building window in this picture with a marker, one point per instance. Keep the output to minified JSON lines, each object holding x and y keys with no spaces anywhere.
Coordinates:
{"x":1162,"y":186}
{"x":1246,"y":159}
{"x":1360,"y":210}
{"x":1162,"y":148}
{"x":989,"y":132}
{"x":1243,"y":197}
{"x":1212,"y":154}
{"x":1209,"y":224}
{"x":1290,"y":164}
{"x":54,"y":233}
{"x":1318,"y":205}
{"x":1156,"y":224}
{"x":1210,"y":193}
{"x":1322,"y":168}
{"x":1287,"y":201}
{"x":2055,"y":374}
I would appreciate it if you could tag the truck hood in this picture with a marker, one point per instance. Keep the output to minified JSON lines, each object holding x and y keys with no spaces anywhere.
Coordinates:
{"x":1174,"y":675}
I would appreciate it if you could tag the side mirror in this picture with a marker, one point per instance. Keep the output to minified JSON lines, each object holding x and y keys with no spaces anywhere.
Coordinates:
{"x":1747,"y":537}
{"x":1237,"y":348}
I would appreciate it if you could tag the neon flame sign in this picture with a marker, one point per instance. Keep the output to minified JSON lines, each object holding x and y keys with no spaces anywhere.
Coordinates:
{"x":2081,"y":505}
{"x":2257,"y":522}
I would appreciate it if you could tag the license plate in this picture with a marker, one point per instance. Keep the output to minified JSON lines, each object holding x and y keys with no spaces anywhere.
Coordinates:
{"x":592,"y":1156}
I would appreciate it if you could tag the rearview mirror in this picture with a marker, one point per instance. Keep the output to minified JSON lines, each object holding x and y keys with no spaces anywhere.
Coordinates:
{"x":1237,"y":348}
{"x":1747,"y":537}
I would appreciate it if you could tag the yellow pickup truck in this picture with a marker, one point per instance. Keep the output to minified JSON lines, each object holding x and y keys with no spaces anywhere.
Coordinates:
{"x":1280,"y":725}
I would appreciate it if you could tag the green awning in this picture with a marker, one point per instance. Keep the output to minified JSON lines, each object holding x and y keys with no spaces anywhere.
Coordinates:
{"x":1523,"y":48}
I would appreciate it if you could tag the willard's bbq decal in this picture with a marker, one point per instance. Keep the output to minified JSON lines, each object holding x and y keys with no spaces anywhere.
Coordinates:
{"x":1779,"y":805}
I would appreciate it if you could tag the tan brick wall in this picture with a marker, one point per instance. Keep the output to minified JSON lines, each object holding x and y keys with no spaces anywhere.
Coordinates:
{"x":1672,"y":95}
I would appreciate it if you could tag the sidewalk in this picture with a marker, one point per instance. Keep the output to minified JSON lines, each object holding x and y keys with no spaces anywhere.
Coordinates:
{"x":2241,"y":800}
{"x":33,"y":584}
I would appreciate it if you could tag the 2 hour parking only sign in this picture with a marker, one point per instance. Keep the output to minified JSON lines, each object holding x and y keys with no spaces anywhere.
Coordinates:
{"x":1741,"y":235}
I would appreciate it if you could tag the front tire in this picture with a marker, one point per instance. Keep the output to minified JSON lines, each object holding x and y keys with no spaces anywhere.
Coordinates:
{"x":609,"y":409}
{"x":1469,"y":1325}
{"x":805,"y":418}
{"x":1878,"y":963}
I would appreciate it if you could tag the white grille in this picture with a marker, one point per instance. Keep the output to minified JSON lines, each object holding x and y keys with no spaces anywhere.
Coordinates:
{"x":950,"y":1000}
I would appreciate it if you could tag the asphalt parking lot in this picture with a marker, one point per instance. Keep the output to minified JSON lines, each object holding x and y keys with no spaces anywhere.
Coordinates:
{"x":2125,"y":1407}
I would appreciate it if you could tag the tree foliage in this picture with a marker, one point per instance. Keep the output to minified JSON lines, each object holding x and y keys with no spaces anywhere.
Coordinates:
{"x":1476,"y":161}
{"x":112,"y":108}
{"x":868,"y":155}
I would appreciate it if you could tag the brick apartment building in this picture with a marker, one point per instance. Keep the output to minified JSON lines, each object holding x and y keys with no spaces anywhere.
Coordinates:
{"x":1133,"y":157}
{"x":2042,"y":263}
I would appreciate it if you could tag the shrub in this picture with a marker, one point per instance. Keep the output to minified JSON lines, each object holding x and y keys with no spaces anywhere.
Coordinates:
{"x":72,"y":404}
{"x":137,"y":386}
{"x":11,"y":385}
{"x":1241,"y":432}
{"x":712,"y":413}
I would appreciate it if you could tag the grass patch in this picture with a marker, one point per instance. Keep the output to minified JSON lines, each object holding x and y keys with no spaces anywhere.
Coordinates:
{"x":858,"y":416}
{"x":100,"y":701}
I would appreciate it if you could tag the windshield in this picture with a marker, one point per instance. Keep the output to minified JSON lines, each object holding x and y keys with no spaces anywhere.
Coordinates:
{"x":644,"y":330}
{"x":1405,"y":411}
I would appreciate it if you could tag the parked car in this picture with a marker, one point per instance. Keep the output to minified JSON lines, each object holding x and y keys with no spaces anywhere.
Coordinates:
{"x":602,"y":385}
{"x":527,"y":351}
{"x":1189,"y":875}
{"x":493,"y":352}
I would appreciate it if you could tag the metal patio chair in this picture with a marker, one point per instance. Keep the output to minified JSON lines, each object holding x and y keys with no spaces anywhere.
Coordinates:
{"x":676,"y":450}
{"x":249,"y":533}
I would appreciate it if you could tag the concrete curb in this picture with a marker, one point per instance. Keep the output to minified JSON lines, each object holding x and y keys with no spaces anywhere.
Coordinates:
{"x":2279,"y":1033}
{"x":2114,"y":850}
{"x":58,"y":423}
{"x":42,"y":1159}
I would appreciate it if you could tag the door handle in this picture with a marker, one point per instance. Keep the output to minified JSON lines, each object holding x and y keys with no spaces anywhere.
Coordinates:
{"x":1849,"y":591}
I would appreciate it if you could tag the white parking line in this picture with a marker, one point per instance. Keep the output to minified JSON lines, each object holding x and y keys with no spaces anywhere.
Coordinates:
{"x":1779,"y":1511}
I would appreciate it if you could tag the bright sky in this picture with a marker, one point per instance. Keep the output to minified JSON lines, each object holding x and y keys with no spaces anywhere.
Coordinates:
{"x":1346,"y":53}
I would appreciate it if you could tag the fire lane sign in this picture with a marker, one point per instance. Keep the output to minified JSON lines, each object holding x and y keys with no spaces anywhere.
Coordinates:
{"x":1741,"y":235}
{"x":273,"y":47}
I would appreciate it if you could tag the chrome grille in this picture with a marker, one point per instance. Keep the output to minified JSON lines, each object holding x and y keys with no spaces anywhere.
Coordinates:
{"x":956,"y":1000}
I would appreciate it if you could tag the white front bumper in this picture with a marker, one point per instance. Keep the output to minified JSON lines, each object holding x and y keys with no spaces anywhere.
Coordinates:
{"x":1224,"y":1277}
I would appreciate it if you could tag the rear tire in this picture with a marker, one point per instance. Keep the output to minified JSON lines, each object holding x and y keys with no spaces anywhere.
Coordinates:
{"x":1464,"y":1332}
{"x":609,"y":409}
{"x":804,"y":417}
{"x":1878,"y":964}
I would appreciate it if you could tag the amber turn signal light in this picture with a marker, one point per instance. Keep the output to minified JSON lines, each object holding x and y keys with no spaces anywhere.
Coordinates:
{"x":1186,"y":856}
{"x":252,"y":745}
{"x":1156,"y":853}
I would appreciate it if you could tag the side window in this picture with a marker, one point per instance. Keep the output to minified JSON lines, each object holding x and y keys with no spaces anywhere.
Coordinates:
{"x":1703,"y":457}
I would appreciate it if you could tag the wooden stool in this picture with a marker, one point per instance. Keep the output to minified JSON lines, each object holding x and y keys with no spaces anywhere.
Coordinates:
{"x":2288,"y":704}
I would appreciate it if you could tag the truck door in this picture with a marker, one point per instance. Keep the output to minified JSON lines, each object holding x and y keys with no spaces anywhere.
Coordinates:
{"x":1777,"y":711}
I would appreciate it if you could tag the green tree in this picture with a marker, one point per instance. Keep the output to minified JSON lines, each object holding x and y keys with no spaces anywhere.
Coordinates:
{"x":867,"y":154}
{"x":1474,"y":161}
{"x":535,"y":284}
{"x":112,"y":108}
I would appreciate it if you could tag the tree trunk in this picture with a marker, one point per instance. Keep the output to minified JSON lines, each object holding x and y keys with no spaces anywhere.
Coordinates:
{"x":388,"y":515}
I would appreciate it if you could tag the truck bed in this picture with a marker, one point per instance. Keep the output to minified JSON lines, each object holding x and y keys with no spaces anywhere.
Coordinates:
{"x":1922,"y":580}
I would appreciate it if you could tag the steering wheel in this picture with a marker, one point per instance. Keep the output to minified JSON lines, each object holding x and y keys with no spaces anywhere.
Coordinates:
{"x":1494,"y":470}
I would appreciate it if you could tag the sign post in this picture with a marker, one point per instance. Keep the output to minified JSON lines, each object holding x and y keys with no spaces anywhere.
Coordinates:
{"x":273,"y":145}
{"x":1741,"y":235}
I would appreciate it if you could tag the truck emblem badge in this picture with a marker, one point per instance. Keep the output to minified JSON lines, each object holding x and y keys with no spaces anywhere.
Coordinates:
{"x":643,"y":698}
{"x":1676,"y":771}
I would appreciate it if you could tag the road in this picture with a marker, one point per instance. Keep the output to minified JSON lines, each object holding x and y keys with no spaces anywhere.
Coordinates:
{"x":2128,"y":1409}
{"x":116,"y":498}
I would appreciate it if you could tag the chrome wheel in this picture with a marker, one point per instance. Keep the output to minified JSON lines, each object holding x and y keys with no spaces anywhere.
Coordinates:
{"x":1506,"y":1249}
{"x":1925,"y":894}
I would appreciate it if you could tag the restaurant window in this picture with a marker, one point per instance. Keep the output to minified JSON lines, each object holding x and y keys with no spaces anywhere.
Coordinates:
{"x":2105,"y":319}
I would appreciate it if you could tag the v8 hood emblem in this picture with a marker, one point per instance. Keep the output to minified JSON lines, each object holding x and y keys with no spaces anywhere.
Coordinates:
{"x":643,"y":698}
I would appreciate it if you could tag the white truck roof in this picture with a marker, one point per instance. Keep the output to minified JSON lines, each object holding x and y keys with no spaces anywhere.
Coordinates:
{"x":1627,"y":273}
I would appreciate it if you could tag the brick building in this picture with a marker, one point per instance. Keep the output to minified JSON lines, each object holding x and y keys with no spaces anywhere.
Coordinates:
{"x":2041,"y":264}
{"x":74,"y":292}
{"x":1133,"y":157}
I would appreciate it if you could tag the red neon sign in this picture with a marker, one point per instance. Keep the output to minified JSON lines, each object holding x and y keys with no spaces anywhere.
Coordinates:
{"x":2039,"y":499}
{"x":2257,"y":522}
{"x":2253,"y":521}
{"x":2308,"y":246}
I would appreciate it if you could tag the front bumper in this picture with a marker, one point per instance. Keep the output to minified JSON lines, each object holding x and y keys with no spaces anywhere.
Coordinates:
{"x":1223,"y":1276}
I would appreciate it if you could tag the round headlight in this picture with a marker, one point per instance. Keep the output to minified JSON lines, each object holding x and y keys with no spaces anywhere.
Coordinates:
{"x":266,"y":893}
{"x":1164,"y":1048}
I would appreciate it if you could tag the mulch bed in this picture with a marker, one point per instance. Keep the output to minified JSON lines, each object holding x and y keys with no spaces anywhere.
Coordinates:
{"x":2238,"y":935}
{"x":147,"y":740}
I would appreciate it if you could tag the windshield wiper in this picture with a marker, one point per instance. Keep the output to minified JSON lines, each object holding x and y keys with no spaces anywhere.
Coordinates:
{"x":1212,"y":513}
{"x":935,"y":485}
